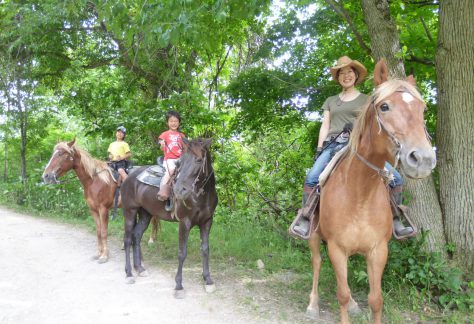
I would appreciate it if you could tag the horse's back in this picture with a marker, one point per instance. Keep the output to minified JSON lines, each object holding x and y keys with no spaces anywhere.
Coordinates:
{"x":136,"y":195}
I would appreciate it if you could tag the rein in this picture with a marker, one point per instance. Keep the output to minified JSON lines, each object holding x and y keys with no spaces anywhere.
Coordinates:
{"x":202,"y":170}
{"x":200,"y":191}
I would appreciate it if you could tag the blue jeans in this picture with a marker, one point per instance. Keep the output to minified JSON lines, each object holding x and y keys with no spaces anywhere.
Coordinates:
{"x":398,"y":180}
{"x":312,"y":178}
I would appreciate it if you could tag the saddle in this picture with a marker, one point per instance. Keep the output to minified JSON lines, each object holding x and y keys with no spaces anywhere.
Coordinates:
{"x":152,"y":175}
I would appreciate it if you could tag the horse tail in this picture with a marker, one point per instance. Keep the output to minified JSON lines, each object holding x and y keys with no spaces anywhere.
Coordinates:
{"x":116,"y":198}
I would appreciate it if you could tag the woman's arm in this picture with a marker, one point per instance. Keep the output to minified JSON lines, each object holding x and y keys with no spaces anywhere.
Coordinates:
{"x":324,"y":130}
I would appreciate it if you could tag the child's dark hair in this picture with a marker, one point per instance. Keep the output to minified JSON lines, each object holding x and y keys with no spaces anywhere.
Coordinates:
{"x":173,"y":113}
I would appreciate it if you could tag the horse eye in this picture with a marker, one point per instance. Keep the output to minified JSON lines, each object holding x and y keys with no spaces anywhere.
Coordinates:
{"x":384,"y":107}
{"x":199,"y":160}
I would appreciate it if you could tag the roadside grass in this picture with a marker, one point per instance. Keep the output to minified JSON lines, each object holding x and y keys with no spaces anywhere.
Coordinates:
{"x":282,"y":287}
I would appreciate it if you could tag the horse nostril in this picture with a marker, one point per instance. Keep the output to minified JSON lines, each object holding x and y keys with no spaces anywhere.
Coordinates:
{"x":414,"y":158}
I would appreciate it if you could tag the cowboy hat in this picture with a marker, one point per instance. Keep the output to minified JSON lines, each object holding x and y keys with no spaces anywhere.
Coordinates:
{"x":344,"y":61}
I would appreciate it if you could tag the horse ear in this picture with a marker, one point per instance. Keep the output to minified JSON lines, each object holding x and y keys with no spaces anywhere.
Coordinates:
{"x":185,"y":144}
{"x":380,"y":72}
{"x":411,"y":80}
{"x":71,"y":143}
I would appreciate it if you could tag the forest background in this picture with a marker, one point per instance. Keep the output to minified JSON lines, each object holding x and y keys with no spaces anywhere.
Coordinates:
{"x":253,"y":76}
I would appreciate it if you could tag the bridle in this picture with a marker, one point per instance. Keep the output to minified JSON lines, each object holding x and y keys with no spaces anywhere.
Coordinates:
{"x":199,"y":191}
{"x":387,"y":175}
{"x":70,"y":156}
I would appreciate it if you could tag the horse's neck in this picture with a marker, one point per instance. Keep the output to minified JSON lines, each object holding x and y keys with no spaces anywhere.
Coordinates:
{"x":80,"y":170}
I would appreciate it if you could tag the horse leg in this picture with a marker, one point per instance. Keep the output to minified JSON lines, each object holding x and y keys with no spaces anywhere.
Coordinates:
{"x":204,"y":230}
{"x":140,"y":227}
{"x":154,"y":229}
{"x":376,"y":261}
{"x":130,"y":221}
{"x":314,"y":243}
{"x":104,"y":223}
{"x":339,"y":263}
{"x":184,"y":228}
{"x":95,"y":215}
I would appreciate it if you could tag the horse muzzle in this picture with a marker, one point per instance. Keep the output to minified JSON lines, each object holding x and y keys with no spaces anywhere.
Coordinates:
{"x":419,"y":162}
{"x":50,"y":178}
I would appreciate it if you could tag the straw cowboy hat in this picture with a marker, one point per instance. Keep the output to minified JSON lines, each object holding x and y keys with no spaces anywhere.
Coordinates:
{"x":344,"y":61}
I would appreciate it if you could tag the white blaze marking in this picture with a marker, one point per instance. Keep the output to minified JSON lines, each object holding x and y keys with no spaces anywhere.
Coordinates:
{"x":407,"y":97}
{"x":50,"y":160}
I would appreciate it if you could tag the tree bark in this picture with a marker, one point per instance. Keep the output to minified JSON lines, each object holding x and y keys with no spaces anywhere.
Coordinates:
{"x":425,"y":210}
{"x":383,"y":35}
{"x":455,"y":135}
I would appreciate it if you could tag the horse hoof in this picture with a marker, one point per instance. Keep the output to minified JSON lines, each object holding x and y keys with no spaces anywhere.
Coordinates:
{"x":144,"y":273}
{"x":129,"y":280}
{"x":179,"y":294}
{"x":312,"y":313}
{"x":102,"y":260}
{"x":354,"y":308}
{"x":210,"y":288}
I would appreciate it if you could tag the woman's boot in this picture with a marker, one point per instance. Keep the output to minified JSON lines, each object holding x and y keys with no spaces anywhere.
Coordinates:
{"x":400,"y":229}
{"x":302,"y":225}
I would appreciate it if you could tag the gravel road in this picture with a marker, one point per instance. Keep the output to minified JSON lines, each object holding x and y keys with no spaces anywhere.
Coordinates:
{"x":47,"y":276}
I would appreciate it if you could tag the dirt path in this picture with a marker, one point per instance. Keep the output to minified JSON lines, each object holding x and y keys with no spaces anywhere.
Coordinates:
{"x":47,"y":276}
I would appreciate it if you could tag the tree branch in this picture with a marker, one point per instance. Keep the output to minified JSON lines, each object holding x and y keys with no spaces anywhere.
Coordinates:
{"x":344,"y":14}
{"x":427,"y":32}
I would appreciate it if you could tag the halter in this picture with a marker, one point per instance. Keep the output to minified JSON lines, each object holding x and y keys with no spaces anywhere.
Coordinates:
{"x":202,"y":170}
{"x":386,"y":175}
{"x":206,"y":180}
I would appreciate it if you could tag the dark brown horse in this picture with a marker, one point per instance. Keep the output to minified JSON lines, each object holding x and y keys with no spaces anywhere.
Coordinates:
{"x":355,"y":215}
{"x":97,"y":181}
{"x":195,"y":200}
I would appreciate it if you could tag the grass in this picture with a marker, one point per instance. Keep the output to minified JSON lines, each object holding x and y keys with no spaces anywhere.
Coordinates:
{"x":282,"y":287}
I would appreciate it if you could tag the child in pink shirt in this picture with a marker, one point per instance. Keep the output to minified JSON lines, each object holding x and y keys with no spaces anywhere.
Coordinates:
{"x":171,"y":142}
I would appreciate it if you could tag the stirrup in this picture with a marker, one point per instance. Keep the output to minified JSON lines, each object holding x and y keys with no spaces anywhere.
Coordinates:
{"x":404,"y":212}
{"x":169,"y":206}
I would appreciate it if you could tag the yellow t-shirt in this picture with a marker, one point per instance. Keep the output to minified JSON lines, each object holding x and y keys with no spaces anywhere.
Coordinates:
{"x":118,"y":149}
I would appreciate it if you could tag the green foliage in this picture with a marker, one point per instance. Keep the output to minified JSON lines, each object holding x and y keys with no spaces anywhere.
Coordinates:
{"x":437,"y":281}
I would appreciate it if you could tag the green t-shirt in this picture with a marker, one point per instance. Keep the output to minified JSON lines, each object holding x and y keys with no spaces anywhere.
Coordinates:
{"x":343,"y":112}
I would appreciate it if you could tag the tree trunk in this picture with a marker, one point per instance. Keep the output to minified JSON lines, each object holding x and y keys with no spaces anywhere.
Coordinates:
{"x":23,"y":116}
{"x":455,"y":135}
{"x":383,"y":35}
{"x":425,"y":210}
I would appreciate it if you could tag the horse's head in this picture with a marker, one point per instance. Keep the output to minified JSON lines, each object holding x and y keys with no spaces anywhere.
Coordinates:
{"x":61,"y":162}
{"x":194,"y":169}
{"x":399,"y":112}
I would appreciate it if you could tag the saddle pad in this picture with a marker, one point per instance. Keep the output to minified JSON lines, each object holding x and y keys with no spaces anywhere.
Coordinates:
{"x":157,"y":170}
{"x":332,"y":165}
{"x":151,"y":176}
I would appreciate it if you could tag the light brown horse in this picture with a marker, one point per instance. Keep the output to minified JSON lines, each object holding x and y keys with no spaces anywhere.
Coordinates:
{"x":97,"y":182}
{"x":355,"y":215}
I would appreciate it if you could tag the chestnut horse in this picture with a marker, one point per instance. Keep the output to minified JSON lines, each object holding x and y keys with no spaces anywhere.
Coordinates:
{"x":97,"y":182}
{"x":195,"y":199}
{"x":354,"y":214}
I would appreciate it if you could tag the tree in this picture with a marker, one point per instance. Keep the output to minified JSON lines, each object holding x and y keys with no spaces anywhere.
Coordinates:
{"x":385,"y":43}
{"x":455,"y":75}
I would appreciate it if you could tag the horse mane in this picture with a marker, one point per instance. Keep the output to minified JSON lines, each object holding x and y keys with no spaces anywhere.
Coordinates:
{"x":380,"y":93}
{"x":92,"y":166}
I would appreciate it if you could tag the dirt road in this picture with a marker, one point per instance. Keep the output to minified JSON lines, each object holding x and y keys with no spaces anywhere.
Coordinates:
{"x":47,"y":276}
